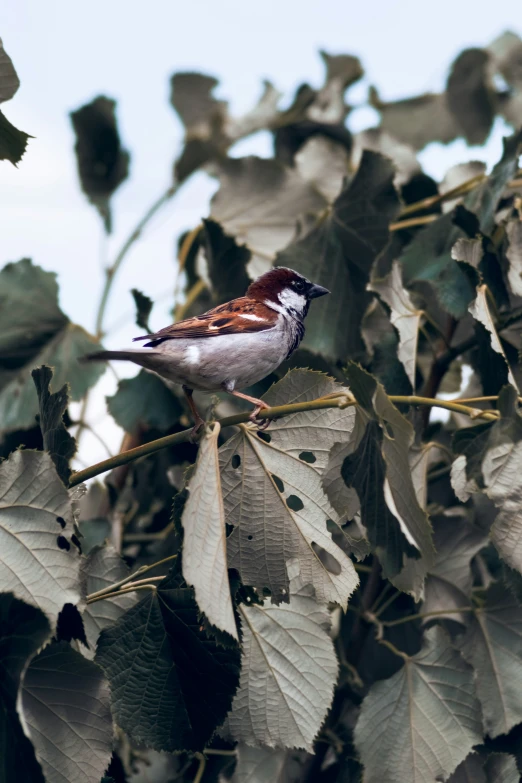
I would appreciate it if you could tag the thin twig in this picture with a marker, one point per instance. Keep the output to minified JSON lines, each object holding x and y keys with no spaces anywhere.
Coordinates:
{"x":112,"y":270}
{"x":412,"y":222}
{"x":124,"y":591}
{"x":422,"y":615}
{"x":201,"y":768}
{"x":432,"y":201}
{"x":130,"y":578}
{"x":276,"y":412}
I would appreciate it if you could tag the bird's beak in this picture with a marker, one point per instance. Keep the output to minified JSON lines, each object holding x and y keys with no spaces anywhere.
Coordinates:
{"x":317,"y":290}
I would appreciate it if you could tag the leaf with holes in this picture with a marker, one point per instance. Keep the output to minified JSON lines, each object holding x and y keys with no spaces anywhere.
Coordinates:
{"x":422,"y":722}
{"x":288,"y":673}
{"x":38,"y":549}
{"x":190,"y":679}
{"x":65,"y":704}
{"x":274,"y":498}
{"x":204,"y":539}
{"x":339,"y":253}
{"x":23,"y":631}
{"x":492,"y":644}
{"x":100,"y":569}
{"x":404,"y":317}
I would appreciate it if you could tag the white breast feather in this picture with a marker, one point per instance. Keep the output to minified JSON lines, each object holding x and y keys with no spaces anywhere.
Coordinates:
{"x":192,"y":354}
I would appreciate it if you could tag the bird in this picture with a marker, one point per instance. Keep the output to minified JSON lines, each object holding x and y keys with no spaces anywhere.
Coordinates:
{"x":231,"y":346}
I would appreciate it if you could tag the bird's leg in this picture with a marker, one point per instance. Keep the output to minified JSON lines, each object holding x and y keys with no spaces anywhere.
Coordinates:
{"x":259,"y":406}
{"x":198,"y":421}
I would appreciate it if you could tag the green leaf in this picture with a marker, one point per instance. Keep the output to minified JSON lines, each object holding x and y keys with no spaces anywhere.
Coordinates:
{"x":103,"y":164}
{"x":449,"y":581}
{"x":379,"y":470}
{"x":100,"y":569}
{"x":57,"y":441}
{"x":66,"y":707}
{"x":226,"y":263}
{"x":23,"y":631}
{"x":288,"y":673}
{"x":204,"y":539}
{"x":492,"y":644}
{"x":339,"y":253}
{"x":190,"y":679}
{"x":9,"y":81}
{"x":404,"y":317}
{"x":273,"y":495}
{"x":422,"y":722}
{"x":144,"y":402}
{"x":144,"y":305}
{"x":470,"y":96}
{"x":13,"y":142}
{"x":428,"y":257}
{"x":34,"y":331}
{"x":38,"y":556}
{"x":259,"y":202}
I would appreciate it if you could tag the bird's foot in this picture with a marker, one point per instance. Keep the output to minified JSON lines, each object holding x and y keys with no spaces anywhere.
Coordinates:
{"x":196,"y":430}
{"x":261,"y":423}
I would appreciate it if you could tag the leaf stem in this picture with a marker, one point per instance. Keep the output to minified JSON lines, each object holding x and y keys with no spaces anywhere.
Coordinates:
{"x":125,"y":591}
{"x":422,"y":615}
{"x":271,"y":413}
{"x":130,"y":578}
{"x":431,"y":201}
{"x":111,"y":271}
{"x":422,"y":220}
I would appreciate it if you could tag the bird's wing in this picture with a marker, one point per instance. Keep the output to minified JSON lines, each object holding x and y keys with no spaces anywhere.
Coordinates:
{"x":236,"y":317}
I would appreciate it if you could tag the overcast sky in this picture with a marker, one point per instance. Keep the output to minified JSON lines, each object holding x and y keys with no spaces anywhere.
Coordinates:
{"x":67,"y":52}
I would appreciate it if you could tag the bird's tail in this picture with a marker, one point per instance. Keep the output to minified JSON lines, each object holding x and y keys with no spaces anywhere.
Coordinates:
{"x":107,"y":356}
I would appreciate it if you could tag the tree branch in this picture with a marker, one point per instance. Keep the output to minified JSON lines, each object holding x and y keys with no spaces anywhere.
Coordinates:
{"x":342,"y":401}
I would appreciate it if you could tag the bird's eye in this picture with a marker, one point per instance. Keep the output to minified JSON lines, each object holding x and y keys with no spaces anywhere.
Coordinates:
{"x":299,"y":285}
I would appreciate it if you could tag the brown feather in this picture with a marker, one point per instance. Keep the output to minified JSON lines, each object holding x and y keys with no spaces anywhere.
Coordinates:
{"x":224,"y":319}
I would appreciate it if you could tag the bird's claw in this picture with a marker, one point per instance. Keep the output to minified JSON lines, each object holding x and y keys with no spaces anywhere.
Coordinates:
{"x":261,"y":423}
{"x":195,"y":432}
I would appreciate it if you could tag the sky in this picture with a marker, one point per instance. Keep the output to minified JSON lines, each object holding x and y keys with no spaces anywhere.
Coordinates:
{"x":67,"y":53}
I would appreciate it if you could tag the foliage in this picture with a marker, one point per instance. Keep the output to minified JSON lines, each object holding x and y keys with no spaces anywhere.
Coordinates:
{"x":334,"y":599}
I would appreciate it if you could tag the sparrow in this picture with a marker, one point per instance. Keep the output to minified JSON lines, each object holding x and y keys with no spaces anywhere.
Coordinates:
{"x":231,"y":346}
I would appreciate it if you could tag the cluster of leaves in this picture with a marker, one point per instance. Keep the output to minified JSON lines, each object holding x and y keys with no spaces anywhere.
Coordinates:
{"x":339,"y":597}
